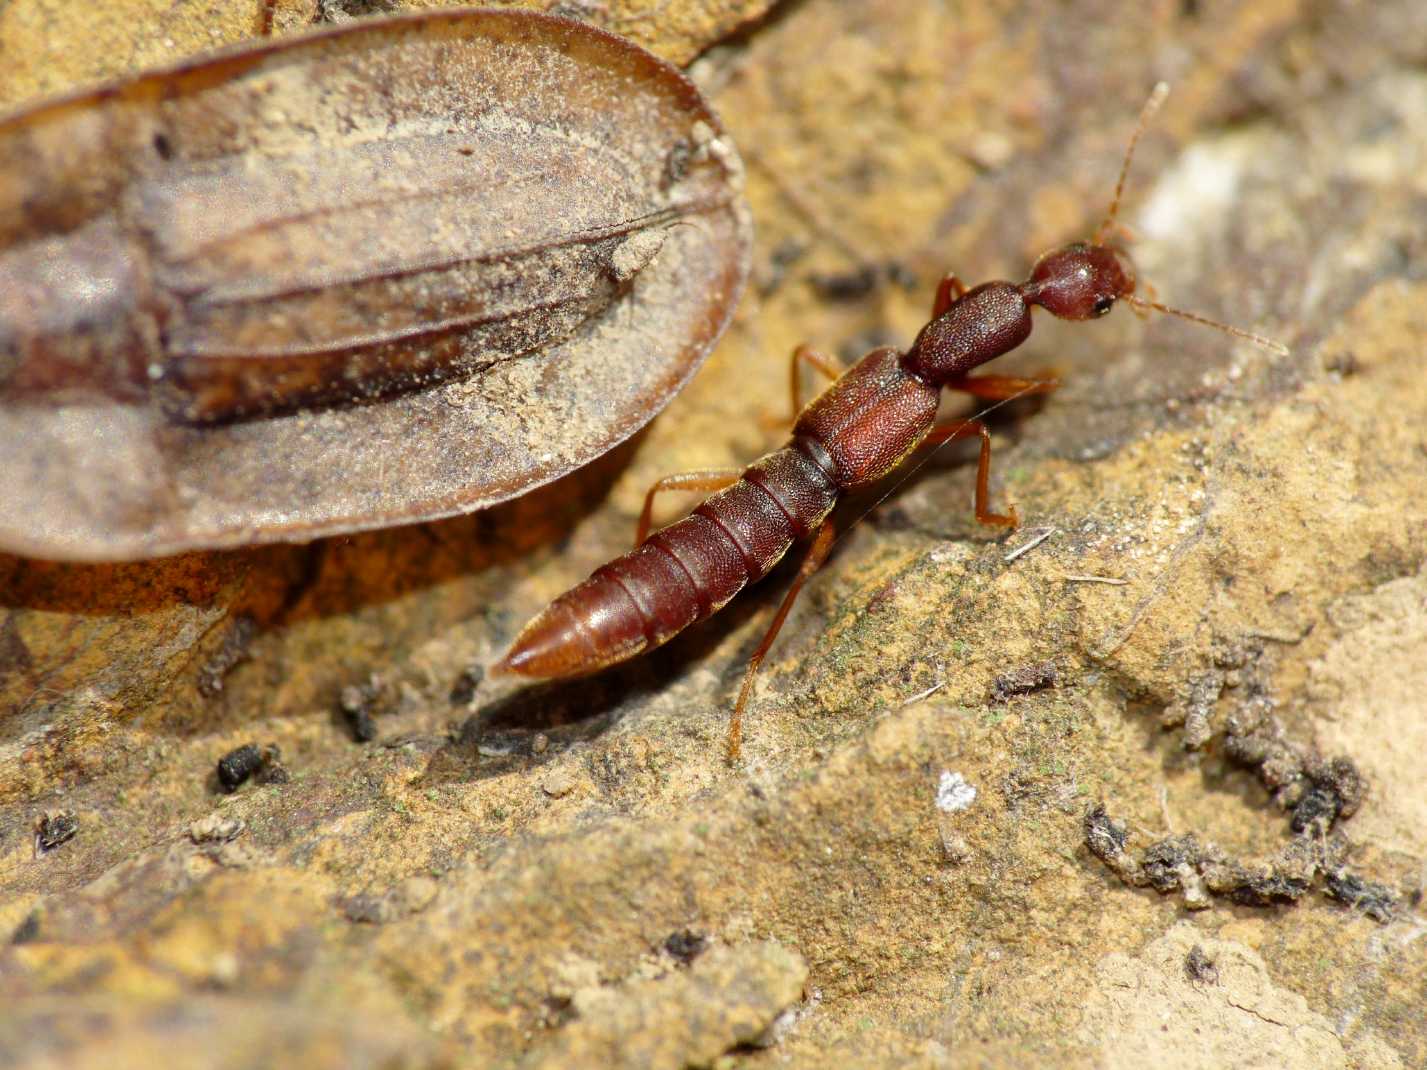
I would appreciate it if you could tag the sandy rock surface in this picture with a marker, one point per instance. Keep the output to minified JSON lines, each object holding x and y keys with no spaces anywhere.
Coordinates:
{"x":1230,"y":594}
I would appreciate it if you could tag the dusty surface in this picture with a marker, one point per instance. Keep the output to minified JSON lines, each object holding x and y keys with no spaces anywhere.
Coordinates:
{"x":573,"y":875}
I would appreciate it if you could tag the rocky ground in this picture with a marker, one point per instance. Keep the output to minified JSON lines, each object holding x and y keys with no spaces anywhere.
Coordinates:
{"x":1147,"y":789}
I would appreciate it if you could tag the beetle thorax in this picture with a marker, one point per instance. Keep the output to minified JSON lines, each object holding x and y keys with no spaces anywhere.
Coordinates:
{"x":984,"y":323}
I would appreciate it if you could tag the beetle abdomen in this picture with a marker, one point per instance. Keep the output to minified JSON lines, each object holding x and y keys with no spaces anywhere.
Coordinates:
{"x":681,"y":574}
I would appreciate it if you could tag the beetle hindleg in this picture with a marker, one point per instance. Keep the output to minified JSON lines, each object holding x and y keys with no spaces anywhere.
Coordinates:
{"x":709,"y":480}
{"x":948,"y":290}
{"x":817,"y":554}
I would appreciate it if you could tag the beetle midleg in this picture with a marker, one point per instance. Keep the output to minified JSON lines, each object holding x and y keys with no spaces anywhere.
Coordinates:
{"x":949,"y":432}
{"x":710,"y":480}
{"x":817,"y":554}
{"x":817,"y":359}
{"x":948,"y":290}
{"x":1004,"y":387}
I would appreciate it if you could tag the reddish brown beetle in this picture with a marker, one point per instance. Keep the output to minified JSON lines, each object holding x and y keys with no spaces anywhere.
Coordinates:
{"x":860,"y":429}
{"x":279,"y":292}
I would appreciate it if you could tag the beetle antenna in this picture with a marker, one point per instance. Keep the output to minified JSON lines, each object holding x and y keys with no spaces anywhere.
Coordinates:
{"x":1248,"y":336}
{"x":1157,"y":95}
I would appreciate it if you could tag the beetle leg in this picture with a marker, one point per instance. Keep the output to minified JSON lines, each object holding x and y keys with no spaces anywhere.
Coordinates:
{"x":1003,"y":387}
{"x":948,"y":290}
{"x":708,"y":480}
{"x":821,"y":361}
{"x":817,"y":553}
{"x":949,"y":432}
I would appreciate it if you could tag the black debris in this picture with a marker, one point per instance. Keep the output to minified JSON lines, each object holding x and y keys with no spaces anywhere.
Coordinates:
{"x":238,"y":765}
{"x":1377,"y":901}
{"x":1105,"y":838}
{"x":28,"y":931}
{"x":358,"y":704}
{"x":1318,"y":807}
{"x":1200,"y":968}
{"x":847,"y":285}
{"x":55,"y":829}
{"x":780,"y":260}
{"x":1106,"y":841}
{"x":464,"y":689}
{"x":1166,"y":862}
{"x":249,"y":761}
{"x":232,"y":651}
{"x":367,"y":909}
{"x":685,"y":945}
{"x":861,"y":281}
{"x":1024,"y":681}
{"x":1336,"y":791}
{"x":1199,"y":870}
{"x":676,"y":164}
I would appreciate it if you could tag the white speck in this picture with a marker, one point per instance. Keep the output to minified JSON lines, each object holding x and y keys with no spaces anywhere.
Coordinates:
{"x":953,"y":793}
{"x":944,"y":553}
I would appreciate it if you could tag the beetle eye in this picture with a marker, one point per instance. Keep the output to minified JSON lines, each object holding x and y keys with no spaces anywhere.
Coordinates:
{"x":1103,"y":305}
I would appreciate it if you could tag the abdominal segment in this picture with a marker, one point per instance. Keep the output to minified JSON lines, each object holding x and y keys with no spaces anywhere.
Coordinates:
{"x":681,"y":574}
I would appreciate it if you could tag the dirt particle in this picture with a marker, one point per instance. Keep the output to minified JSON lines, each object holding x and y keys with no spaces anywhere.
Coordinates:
{"x":231,"y":652}
{"x":954,"y":849}
{"x":1106,"y":841}
{"x":1199,"y":967}
{"x":1024,"y":681}
{"x":464,"y":689}
{"x":685,"y":945}
{"x":1199,"y":869}
{"x":1377,"y":901}
{"x":216,"y":828}
{"x":359,"y":703}
{"x":415,"y":894}
{"x":55,"y":829}
{"x":558,"y":783}
{"x":28,"y":930}
{"x":248,"y":761}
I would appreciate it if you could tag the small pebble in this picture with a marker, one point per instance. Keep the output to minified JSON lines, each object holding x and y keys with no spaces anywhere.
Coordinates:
{"x":558,"y":784}
{"x":215,"y":828}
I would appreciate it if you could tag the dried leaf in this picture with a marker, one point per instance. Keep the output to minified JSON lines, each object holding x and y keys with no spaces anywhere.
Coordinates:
{"x":380,"y":274}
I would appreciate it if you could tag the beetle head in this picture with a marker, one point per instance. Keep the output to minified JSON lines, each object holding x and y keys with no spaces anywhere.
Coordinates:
{"x":1080,"y":281}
